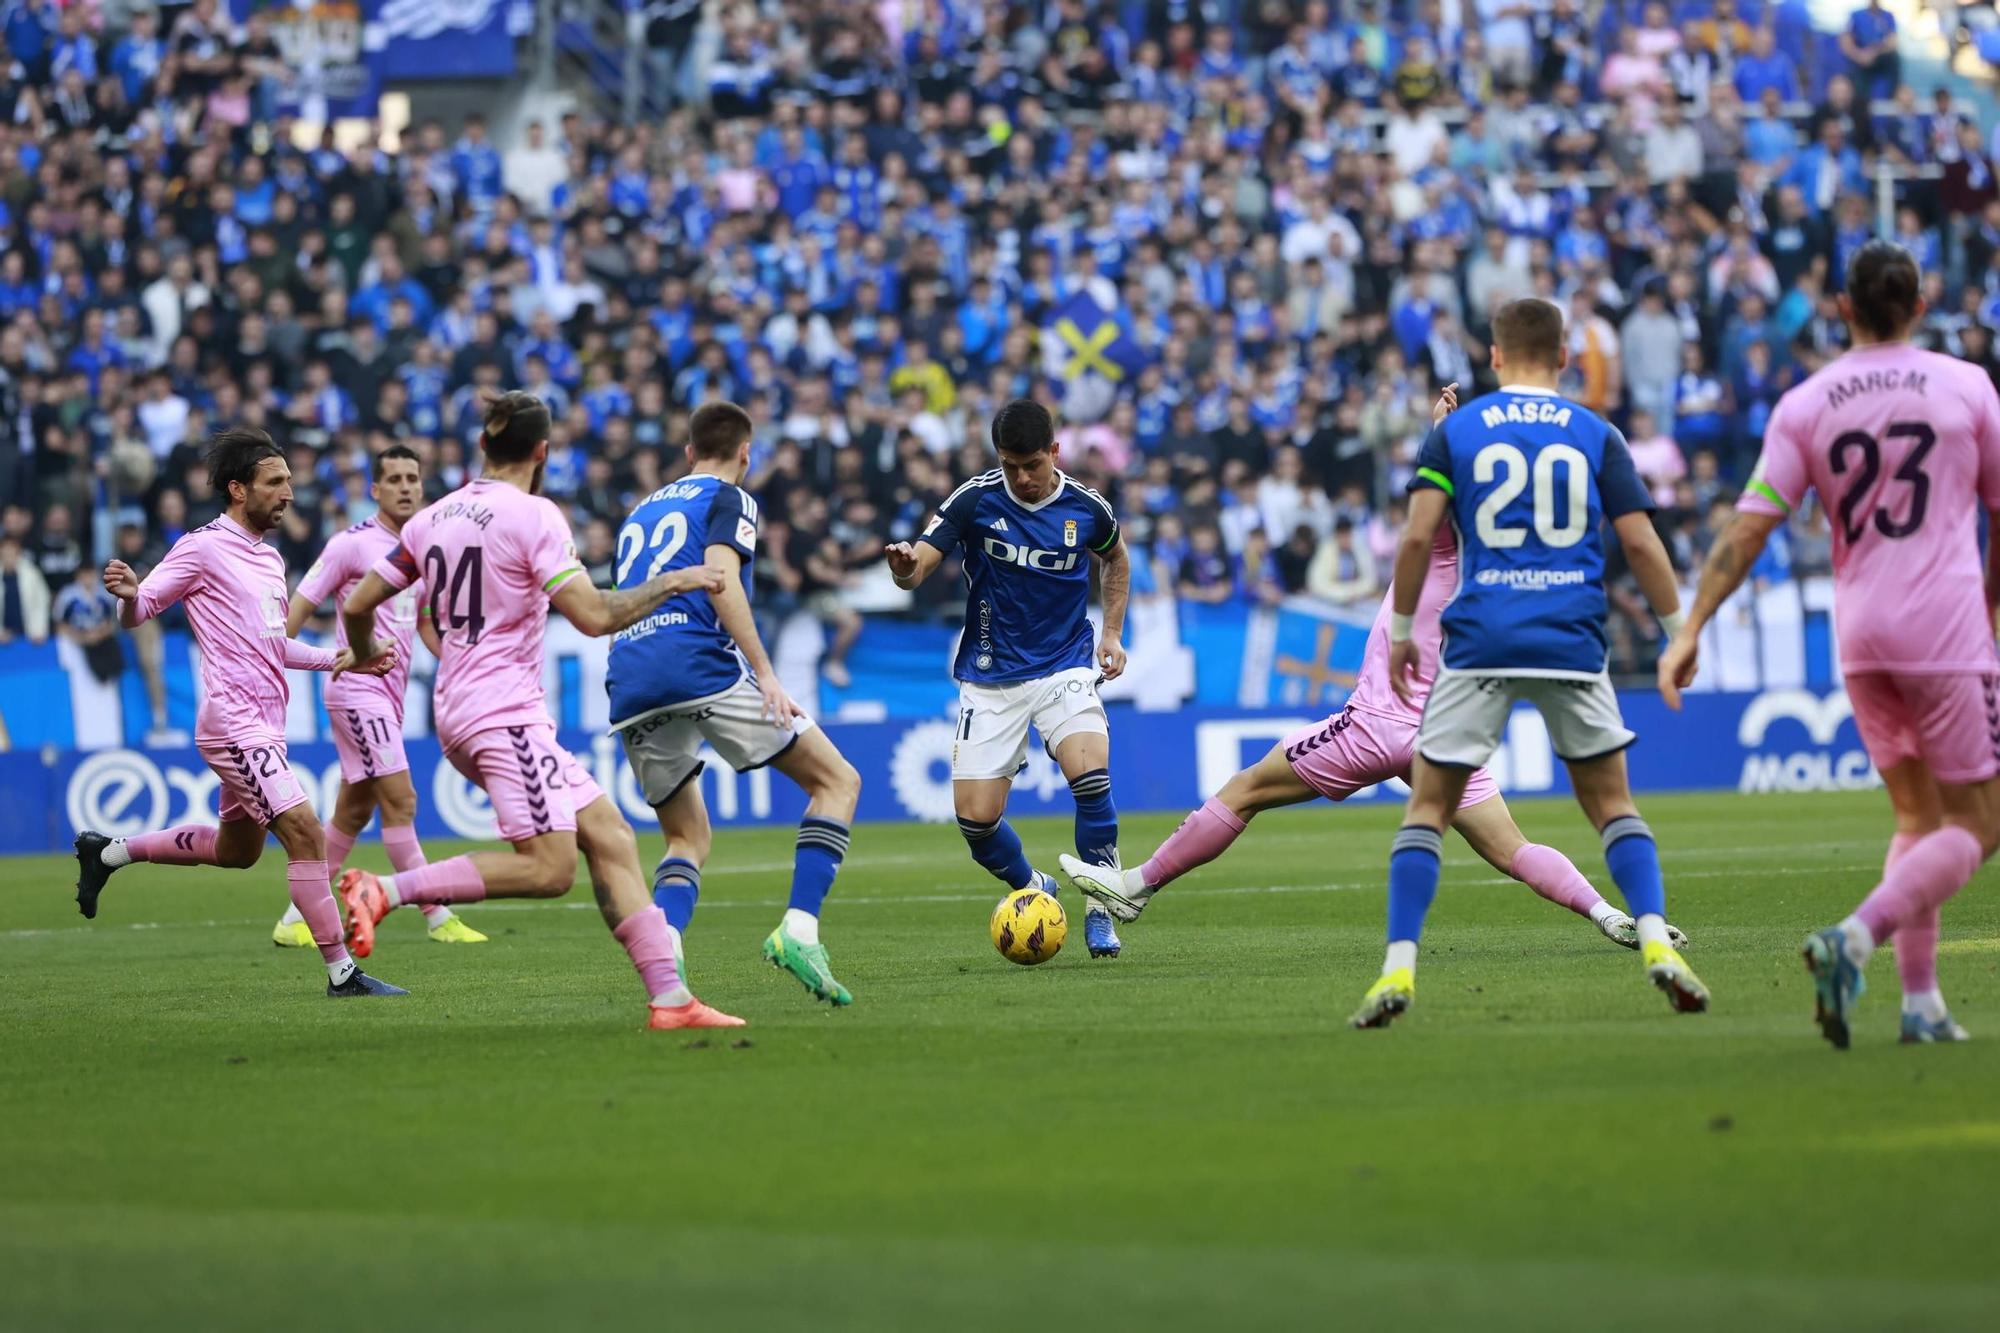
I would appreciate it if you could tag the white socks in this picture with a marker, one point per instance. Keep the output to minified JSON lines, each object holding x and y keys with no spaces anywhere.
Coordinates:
{"x":341,"y":971}
{"x":1602,"y":911}
{"x":436,"y":915}
{"x":801,"y":926}
{"x":292,"y":916}
{"x":676,"y":997}
{"x":1653,"y":929}
{"x":388,"y":883}
{"x":1402,"y":953}
{"x":1926,"y":1004}
{"x":1860,"y":941}
{"x":116,"y":854}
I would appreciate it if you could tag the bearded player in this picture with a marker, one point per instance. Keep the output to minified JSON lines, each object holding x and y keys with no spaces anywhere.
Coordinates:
{"x":494,"y":556}
{"x":367,"y":711}
{"x":1903,"y":448}
{"x":232,"y":585}
{"x":1369,"y":741}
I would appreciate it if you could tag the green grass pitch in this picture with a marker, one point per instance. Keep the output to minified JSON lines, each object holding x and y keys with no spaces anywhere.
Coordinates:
{"x":191,"y":1137}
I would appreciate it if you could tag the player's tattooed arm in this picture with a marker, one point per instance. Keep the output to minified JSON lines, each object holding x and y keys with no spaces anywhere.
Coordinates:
{"x":598,"y":613}
{"x":1115,"y":570}
{"x":1735,"y":550}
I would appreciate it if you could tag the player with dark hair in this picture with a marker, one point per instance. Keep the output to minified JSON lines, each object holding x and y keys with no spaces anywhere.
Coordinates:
{"x":1528,"y":478}
{"x":494,"y":556}
{"x":232,"y":585}
{"x":1903,"y":448}
{"x":697,"y":671}
{"x":1029,"y":533}
{"x":367,"y":711}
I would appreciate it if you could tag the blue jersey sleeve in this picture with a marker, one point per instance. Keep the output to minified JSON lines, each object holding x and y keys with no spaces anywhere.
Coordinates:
{"x":1102,"y":534}
{"x":732,"y":521}
{"x":1434,"y":463}
{"x":1618,"y":484}
{"x":953,"y":520}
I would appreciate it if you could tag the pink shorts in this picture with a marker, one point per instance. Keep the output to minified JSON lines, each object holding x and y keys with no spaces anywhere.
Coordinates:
{"x":1951,"y":722}
{"x":257,"y":779}
{"x":535,"y":785}
{"x":370,"y":743}
{"x":1353,"y":749}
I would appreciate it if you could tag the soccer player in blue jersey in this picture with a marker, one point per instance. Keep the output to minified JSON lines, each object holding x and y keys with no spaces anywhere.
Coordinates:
{"x":1029,"y":533}
{"x":696,"y":671}
{"x":1527,"y":478}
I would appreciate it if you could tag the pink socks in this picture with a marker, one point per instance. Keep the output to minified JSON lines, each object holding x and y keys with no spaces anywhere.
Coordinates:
{"x":1553,"y":875}
{"x":454,"y":881}
{"x":307,"y":881}
{"x":1204,"y":835}
{"x":644,"y":935}
{"x":1916,"y":938}
{"x":1919,"y":880}
{"x":405,"y":852}
{"x":338,"y":845}
{"x":187,"y":845}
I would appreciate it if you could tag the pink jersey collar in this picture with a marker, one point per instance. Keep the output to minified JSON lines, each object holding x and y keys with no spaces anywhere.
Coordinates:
{"x":231,"y":525}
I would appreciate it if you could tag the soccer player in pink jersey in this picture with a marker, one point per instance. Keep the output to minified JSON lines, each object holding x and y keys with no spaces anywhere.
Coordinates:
{"x":1903,"y":448}
{"x":1370,"y":740}
{"x":494,"y":556}
{"x":367,"y":711}
{"x":232,"y":585}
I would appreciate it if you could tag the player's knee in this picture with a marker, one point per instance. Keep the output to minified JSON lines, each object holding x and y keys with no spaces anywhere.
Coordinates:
{"x":841,"y":782}
{"x":238,"y":857}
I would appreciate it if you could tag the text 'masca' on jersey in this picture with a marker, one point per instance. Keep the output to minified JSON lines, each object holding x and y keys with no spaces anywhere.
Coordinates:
{"x":1531,"y":477}
{"x":679,"y":654}
{"x":1027,"y":575}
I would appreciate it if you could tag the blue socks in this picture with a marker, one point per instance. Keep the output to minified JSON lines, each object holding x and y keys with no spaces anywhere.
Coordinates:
{"x":676,"y":885}
{"x":997,"y":847}
{"x":1414,"y":859}
{"x":1633,"y":859}
{"x":822,"y":844}
{"x":1096,"y":817}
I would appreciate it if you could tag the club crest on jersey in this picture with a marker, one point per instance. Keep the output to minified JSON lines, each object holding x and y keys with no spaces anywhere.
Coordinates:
{"x":1069,"y":532}
{"x":1053,"y":562}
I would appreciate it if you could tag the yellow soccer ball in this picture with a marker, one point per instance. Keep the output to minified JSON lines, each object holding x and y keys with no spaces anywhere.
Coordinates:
{"x":1028,"y":927}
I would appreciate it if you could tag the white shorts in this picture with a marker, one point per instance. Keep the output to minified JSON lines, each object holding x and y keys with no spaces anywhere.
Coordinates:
{"x":663,"y":747}
{"x":1467,"y":713}
{"x":993,"y":721}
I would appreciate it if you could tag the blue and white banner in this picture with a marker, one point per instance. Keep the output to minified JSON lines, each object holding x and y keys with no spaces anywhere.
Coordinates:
{"x":445,"y":39}
{"x":1778,"y":740}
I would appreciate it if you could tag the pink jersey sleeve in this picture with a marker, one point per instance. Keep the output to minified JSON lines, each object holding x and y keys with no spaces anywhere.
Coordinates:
{"x":304,"y":657}
{"x":1778,"y":485}
{"x":551,"y":553}
{"x":1986,"y":415}
{"x":328,"y":572}
{"x":170,"y":580}
{"x":399,"y":568}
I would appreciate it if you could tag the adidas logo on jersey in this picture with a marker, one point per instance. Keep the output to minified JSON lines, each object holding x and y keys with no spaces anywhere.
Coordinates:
{"x":1054,"y":562}
{"x":1000,"y":525}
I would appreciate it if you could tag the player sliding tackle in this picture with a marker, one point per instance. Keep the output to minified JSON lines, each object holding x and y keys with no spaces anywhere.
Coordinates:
{"x":495,"y":556}
{"x":367,"y":712}
{"x":232,"y":585}
{"x":1527,"y":477}
{"x":1903,"y":447}
{"x":1371,"y":740}
{"x":1025,"y":657}
{"x":699,"y":672}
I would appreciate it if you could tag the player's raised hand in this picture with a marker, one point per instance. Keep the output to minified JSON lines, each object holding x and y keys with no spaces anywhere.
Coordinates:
{"x":1402,"y":665}
{"x":902,"y":559}
{"x":778,"y":706}
{"x":120,"y":581}
{"x":1111,"y":659}
{"x":1678,"y":664}
{"x":1446,"y":404}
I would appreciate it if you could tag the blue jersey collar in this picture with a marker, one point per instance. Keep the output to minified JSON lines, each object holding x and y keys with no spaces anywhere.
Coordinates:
{"x":1062,"y":480}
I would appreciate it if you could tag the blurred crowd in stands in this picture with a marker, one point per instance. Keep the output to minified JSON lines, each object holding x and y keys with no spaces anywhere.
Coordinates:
{"x":860,"y":219}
